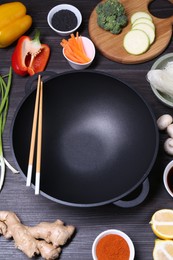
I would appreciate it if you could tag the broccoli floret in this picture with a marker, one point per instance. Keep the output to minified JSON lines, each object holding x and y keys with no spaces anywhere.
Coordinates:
{"x":99,"y":8}
{"x":122,"y":20}
{"x":117,"y":29}
{"x":110,"y":23}
{"x":111,"y":16}
{"x":101,"y":20}
{"x":120,"y":9}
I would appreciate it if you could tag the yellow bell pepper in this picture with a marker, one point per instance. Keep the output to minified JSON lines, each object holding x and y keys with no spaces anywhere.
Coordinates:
{"x":14,"y":22}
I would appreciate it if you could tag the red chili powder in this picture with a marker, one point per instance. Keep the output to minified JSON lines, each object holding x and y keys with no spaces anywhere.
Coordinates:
{"x":112,"y":247}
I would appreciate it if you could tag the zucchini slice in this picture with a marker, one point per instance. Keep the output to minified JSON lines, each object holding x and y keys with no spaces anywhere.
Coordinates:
{"x":144,"y":20}
{"x":138,"y":15}
{"x":136,"y":42}
{"x":147,"y":29}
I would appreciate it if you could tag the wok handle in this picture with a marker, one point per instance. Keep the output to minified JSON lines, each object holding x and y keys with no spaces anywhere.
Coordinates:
{"x":46,"y":75}
{"x":136,"y":201}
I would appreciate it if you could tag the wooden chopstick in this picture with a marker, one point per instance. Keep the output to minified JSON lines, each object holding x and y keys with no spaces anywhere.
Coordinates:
{"x":39,"y":142}
{"x":37,"y":110}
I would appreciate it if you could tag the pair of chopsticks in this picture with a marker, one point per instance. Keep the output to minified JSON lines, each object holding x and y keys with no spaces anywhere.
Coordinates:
{"x":36,"y":131}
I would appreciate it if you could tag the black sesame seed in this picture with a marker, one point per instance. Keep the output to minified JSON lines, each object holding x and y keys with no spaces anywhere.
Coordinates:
{"x":64,"y":20}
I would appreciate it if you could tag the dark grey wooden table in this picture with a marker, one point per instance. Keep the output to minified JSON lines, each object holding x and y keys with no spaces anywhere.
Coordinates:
{"x":89,"y":222}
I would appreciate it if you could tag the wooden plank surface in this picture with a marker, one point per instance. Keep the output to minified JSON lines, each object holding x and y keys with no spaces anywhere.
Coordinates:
{"x":111,"y":46}
{"x":89,"y":222}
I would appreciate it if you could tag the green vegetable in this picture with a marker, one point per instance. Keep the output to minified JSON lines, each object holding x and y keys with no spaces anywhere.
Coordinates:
{"x":111,"y":16}
{"x":4,"y":100}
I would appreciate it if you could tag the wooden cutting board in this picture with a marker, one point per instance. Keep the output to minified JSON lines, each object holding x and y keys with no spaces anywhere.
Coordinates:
{"x":111,"y":46}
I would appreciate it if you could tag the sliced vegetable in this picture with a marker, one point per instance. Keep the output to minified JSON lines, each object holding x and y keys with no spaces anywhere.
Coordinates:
{"x":30,"y":56}
{"x":147,"y":29}
{"x":136,"y":42}
{"x":145,"y":21}
{"x":140,"y":14}
{"x":4,"y":100}
{"x":14,"y":22}
{"x":74,"y":49}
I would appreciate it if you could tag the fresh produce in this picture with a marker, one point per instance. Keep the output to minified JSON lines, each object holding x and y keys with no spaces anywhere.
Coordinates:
{"x":139,"y":15}
{"x":4,"y":100}
{"x":147,"y":29}
{"x":162,"y":226}
{"x":142,"y":34}
{"x":165,"y":122}
{"x":163,"y":249}
{"x":162,"y":223}
{"x":74,"y":49}
{"x":168,"y":146}
{"x":162,"y":79}
{"x":170,"y":130}
{"x":111,"y":16}
{"x":136,"y":42}
{"x":45,"y":238}
{"x":14,"y":22}
{"x":30,"y":56}
{"x":143,"y":20}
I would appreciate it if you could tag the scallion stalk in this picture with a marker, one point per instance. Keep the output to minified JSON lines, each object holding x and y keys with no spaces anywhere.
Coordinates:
{"x":4,"y":101}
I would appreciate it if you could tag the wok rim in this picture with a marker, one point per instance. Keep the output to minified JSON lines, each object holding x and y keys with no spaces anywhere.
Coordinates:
{"x":94,"y":204}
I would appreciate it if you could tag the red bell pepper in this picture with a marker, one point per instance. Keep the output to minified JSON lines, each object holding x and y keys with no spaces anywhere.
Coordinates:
{"x":30,"y":56}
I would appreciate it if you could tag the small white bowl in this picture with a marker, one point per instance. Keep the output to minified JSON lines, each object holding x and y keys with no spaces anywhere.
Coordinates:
{"x":90,"y":52}
{"x":60,"y":7}
{"x":168,"y":171}
{"x":160,"y":63}
{"x":115,"y":232}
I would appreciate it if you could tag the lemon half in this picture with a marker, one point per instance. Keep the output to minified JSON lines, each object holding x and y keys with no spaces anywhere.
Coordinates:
{"x":163,"y":250}
{"x":162,"y":223}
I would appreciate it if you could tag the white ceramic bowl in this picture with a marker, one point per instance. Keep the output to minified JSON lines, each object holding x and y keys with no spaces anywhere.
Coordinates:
{"x":60,"y":7}
{"x":116,"y":232}
{"x":165,"y":177}
{"x":160,"y":64}
{"x":90,"y":52}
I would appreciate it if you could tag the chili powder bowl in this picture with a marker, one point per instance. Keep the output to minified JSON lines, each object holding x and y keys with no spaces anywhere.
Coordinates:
{"x":64,"y":15}
{"x":113,"y":244}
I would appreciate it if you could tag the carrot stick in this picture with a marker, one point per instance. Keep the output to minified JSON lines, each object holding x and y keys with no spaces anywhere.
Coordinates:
{"x":75,"y":55}
{"x":71,"y":56}
{"x":81,"y":44}
{"x":79,"y":53}
{"x":74,"y":49}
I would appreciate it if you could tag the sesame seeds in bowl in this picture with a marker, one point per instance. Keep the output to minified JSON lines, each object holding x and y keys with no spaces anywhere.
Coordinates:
{"x":64,"y":19}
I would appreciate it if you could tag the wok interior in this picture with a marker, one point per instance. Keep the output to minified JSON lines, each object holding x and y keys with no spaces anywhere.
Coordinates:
{"x":99,"y":138}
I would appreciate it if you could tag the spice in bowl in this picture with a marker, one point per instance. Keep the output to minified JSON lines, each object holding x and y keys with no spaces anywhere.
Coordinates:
{"x":64,"y":20}
{"x":113,"y":244}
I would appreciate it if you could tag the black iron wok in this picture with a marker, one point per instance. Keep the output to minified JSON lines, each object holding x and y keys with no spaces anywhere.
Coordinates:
{"x":100,"y":139}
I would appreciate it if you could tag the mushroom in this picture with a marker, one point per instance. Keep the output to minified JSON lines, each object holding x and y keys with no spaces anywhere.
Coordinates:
{"x":164,"y":121}
{"x":168,"y":146}
{"x":170,"y":130}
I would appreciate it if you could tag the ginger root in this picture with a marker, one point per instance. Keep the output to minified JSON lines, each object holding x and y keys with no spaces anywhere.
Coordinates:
{"x":45,"y":238}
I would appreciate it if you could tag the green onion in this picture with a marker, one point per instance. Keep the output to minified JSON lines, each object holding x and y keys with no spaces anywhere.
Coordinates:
{"x":5,"y":86}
